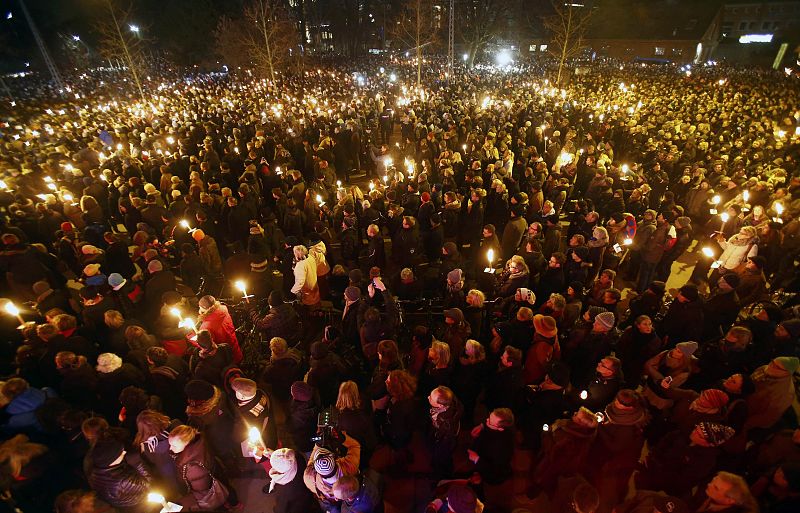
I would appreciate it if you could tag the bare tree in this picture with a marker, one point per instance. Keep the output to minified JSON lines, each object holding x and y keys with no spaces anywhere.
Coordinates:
{"x":265,"y":35}
{"x":415,"y":29}
{"x":482,"y":21}
{"x":121,"y":39}
{"x":568,"y":27}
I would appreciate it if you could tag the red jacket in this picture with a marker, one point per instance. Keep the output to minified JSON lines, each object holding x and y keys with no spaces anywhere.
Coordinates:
{"x":220,"y":325}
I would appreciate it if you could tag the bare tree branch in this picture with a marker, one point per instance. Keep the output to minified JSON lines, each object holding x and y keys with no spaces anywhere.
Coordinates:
{"x":567,"y":27}
{"x":265,"y":36}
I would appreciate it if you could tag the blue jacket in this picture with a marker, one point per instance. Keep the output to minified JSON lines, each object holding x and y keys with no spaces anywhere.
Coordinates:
{"x":21,"y":411}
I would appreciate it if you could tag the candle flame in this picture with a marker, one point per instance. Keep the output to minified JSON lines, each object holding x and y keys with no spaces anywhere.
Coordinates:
{"x":11,"y":308}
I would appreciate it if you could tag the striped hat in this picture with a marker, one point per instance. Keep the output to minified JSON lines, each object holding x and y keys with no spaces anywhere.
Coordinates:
{"x":325,"y":463}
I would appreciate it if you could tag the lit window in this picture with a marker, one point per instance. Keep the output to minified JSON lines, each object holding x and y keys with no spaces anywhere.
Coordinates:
{"x":532,"y":48}
{"x":659,"y":50}
{"x":542,"y":48}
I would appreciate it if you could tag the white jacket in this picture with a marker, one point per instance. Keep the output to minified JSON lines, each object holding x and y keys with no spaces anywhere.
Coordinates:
{"x":732,"y":255}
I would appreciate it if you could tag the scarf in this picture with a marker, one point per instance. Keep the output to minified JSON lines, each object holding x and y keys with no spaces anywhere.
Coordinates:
{"x":282,"y":478}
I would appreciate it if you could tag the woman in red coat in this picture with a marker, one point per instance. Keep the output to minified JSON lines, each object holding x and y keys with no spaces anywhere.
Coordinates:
{"x":215,"y":318}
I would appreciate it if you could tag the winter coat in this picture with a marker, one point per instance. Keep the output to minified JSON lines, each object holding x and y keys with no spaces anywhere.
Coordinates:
{"x":675,"y":466}
{"x":219,"y":324}
{"x":346,"y":465}
{"x":719,"y":313}
{"x":257,"y":412}
{"x":682,"y":322}
{"x":155,"y":451}
{"x":294,"y":496}
{"x":653,"y":250}
{"x":773,"y":396}
{"x":734,"y":255}
{"x":109,"y":386}
{"x":20,"y":413}
{"x":209,"y":254}
{"x":495,"y":450}
{"x":305,"y":281}
{"x":565,"y":448}
{"x":302,"y":424}
{"x":512,"y":235}
{"x":122,"y":486}
{"x":542,"y":352}
{"x":281,"y":373}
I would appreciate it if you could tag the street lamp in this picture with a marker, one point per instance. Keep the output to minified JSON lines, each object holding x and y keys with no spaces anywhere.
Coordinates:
{"x":76,"y":38}
{"x":465,"y":57}
{"x":134,"y":28}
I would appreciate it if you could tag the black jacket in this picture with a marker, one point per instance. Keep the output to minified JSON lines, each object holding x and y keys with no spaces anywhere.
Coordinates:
{"x":122,"y":486}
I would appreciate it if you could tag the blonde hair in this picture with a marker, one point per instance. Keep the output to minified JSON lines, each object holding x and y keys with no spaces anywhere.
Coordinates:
{"x":478,"y":349}
{"x":183,"y":433}
{"x":479,"y":298}
{"x":278,"y":346}
{"x":442,"y":351}
{"x":113,"y":319}
{"x":149,"y":423}
{"x":349,"y":397}
{"x":586,"y":417}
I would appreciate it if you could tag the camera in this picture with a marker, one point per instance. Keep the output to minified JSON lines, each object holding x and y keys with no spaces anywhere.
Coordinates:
{"x":328,"y":435}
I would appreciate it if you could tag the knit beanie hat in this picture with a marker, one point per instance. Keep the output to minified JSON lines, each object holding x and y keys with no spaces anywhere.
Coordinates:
{"x":456,"y":314}
{"x":91,"y":270}
{"x":712,"y":398}
{"x":687,"y":348}
{"x":115,"y":280}
{"x":606,"y":319}
{"x":198,"y":390}
{"x":715,"y":434}
{"x":154,"y":266}
{"x":352,"y":293}
{"x":356,"y":276}
{"x":319,"y":350}
{"x":582,"y":252}
{"x":245,"y":387}
{"x":282,"y":460}
{"x":106,"y":451}
{"x":594,"y":311}
{"x":40,"y":287}
{"x":789,"y":363}
{"x":454,"y":276}
{"x":325,"y":463}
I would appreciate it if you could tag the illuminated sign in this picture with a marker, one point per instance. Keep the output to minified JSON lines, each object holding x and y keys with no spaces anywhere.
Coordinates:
{"x":756,"y":38}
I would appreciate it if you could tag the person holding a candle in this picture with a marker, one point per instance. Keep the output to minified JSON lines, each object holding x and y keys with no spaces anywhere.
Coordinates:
{"x":214,"y":317}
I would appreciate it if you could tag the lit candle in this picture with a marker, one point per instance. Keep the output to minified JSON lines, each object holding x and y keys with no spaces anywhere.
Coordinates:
{"x":724,"y":216}
{"x":746,"y":196}
{"x":584,"y":395}
{"x":628,"y":241}
{"x":319,"y":200}
{"x":708,"y":252}
{"x":490,"y":256}
{"x":12,"y":309}
{"x":241,"y":286}
{"x":157,"y":498}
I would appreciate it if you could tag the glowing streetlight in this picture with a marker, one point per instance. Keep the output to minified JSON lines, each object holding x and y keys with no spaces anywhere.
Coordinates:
{"x":241,"y":286}
{"x":76,"y":37}
{"x":503,"y":58}
{"x":465,"y":56}
{"x":134,"y":28}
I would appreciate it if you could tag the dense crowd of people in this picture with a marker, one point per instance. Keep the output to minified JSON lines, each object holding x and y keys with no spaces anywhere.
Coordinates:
{"x":343,"y":280}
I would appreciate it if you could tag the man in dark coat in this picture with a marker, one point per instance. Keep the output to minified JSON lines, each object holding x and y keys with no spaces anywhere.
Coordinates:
{"x":513,"y":232}
{"x":684,"y":318}
{"x":721,"y":307}
{"x":115,"y":480}
{"x":493,"y":446}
